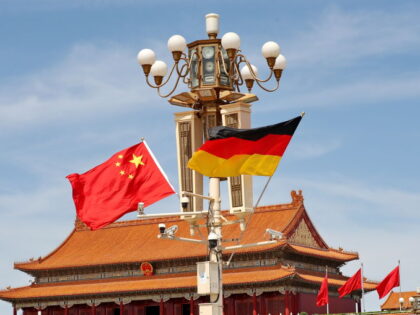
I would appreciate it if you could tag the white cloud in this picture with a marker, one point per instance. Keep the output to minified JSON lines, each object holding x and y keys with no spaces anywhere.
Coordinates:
{"x":91,"y":81}
{"x":340,"y":38}
{"x":313,"y":149}
{"x":372,"y":90}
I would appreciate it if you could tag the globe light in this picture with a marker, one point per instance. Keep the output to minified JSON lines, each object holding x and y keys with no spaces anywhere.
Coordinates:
{"x":281,"y":62}
{"x":279,"y":66}
{"x":247,"y":75}
{"x":146,"y":57}
{"x":177,"y":43}
{"x":246,"y":72}
{"x":231,"y":43}
{"x":270,"y":50}
{"x":158,"y":71}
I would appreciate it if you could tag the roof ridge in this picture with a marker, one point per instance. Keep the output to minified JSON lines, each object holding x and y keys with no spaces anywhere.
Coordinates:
{"x":175,"y":218}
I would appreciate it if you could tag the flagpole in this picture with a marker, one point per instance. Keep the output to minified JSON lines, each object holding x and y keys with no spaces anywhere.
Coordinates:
{"x":328,"y":303}
{"x":157,"y":163}
{"x":363,"y":290}
{"x":399,"y":276}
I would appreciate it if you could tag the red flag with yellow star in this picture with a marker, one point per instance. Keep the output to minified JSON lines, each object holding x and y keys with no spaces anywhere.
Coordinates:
{"x":115,"y":187}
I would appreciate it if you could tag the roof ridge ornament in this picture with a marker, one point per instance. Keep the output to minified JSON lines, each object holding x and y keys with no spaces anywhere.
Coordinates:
{"x":297,"y":197}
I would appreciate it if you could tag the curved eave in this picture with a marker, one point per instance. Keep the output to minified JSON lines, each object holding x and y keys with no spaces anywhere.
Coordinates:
{"x":141,"y":284}
{"x":329,"y":254}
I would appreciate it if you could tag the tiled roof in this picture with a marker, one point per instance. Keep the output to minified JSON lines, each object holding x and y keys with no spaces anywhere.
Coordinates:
{"x":331,"y":253}
{"x":392,"y":302}
{"x":136,"y":241}
{"x":165,"y":282}
{"x":138,"y":284}
{"x":333,"y":280}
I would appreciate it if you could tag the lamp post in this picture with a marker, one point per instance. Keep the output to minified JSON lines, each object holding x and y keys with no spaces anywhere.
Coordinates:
{"x":401,"y":302}
{"x":214,"y":71}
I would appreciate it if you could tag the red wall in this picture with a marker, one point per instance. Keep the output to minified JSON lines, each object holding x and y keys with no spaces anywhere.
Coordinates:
{"x":307,"y":303}
{"x":238,"y":304}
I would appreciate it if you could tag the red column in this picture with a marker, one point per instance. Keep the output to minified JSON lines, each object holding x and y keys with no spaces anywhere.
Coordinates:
{"x":14,"y":310}
{"x":191,"y":305}
{"x":287,"y":303}
{"x":161,"y":307}
{"x":66,"y":310}
{"x":93,"y":309}
{"x":121,"y":308}
{"x":262,"y":304}
{"x":254,"y":304}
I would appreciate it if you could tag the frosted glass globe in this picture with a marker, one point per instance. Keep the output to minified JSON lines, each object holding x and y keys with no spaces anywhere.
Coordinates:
{"x":281,"y":62}
{"x":231,"y":40}
{"x":177,"y":43}
{"x":146,"y":57}
{"x":246,"y":72}
{"x":159,"y":69}
{"x":270,"y":50}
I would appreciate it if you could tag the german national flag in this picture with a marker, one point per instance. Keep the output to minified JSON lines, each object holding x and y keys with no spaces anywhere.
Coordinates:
{"x":232,"y":152}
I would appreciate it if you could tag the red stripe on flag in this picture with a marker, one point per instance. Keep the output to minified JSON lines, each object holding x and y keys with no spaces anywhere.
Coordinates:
{"x":268,"y":145}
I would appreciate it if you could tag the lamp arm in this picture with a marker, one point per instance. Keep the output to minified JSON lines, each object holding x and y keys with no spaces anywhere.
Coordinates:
{"x":172,"y":91}
{"x":269,"y":90}
{"x":163,"y":83}
{"x":254,"y":75}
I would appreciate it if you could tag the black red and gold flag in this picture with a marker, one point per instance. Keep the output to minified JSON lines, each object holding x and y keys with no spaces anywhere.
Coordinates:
{"x":234,"y":152}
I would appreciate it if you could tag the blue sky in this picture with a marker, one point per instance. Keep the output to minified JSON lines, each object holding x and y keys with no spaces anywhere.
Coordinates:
{"x":72,"y":94}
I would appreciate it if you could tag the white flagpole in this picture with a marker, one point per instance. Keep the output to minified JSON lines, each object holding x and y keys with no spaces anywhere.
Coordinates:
{"x":157,"y":163}
{"x":326,"y":275}
{"x":363,"y":290}
{"x":399,"y":276}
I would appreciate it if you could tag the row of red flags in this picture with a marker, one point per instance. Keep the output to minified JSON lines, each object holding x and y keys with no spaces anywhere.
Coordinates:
{"x":392,"y":280}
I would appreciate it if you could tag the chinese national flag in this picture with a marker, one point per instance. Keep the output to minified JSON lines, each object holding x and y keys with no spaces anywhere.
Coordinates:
{"x":354,"y":283}
{"x":322,"y":297}
{"x":115,"y":187}
{"x":392,"y":280}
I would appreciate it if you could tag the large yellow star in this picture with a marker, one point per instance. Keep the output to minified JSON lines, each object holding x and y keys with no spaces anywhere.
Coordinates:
{"x":137,"y":160}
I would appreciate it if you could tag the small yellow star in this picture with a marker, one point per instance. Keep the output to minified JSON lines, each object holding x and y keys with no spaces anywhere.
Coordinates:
{"x":131,"y":176}
{"x":120,"y":156}
{"x":118,"y":164}
{"x":137,"y":160}
{"x":122,"y":172}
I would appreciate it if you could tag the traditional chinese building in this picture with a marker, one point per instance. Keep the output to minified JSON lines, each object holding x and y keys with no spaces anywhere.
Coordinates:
{"x":125,"y":269}
{"x":408,"y":302}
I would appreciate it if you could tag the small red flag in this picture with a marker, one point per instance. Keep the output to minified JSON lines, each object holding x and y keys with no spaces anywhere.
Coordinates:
{"x":392,"y":280}
{"x":115,"y":187}
{"x":322,"y":297}
{"x":354,"y":283}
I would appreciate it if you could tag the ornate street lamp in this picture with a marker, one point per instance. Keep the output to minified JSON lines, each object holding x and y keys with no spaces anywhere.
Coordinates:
{"x":213,"y":69}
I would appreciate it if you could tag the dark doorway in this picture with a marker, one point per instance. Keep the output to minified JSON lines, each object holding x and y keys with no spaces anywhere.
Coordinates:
{"x":185,"y":309}
{"x":116,"y":311}
{"x":152,"y":310}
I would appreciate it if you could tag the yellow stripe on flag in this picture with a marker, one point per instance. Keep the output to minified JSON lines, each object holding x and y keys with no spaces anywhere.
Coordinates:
{"x":213,"y":166}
